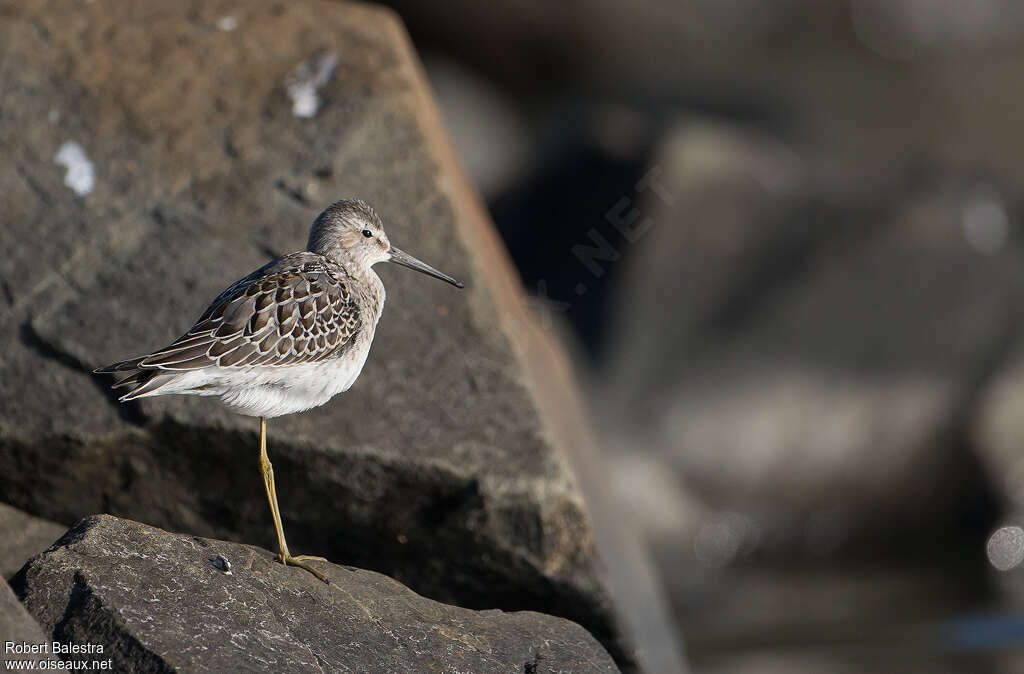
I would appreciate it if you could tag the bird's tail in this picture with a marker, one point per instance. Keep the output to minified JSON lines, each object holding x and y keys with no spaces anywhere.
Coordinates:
{"x":143,"y":381}
{"x":120,"y":367}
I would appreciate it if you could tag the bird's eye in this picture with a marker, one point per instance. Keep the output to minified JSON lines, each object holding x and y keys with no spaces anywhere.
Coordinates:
{"x":367,"y":233}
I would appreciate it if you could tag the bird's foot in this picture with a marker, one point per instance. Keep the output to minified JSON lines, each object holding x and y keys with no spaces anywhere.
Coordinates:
{"x":301,"y":562}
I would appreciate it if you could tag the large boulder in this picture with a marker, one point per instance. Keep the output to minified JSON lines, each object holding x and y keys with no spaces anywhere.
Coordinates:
{"x":164,"y":602}
{"x":155,"y":155}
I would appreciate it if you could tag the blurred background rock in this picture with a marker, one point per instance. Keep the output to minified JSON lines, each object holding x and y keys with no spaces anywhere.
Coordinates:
{"x":781,"y":240}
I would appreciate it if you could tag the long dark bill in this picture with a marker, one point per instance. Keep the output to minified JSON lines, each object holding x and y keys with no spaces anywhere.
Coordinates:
{"x":406,"y":260}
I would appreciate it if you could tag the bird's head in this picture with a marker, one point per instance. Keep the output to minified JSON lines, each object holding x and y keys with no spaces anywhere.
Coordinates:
{"x":350,"y":231}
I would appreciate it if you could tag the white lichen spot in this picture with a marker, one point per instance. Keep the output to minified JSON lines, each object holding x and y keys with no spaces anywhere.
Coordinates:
{"x":306,"y":79}
{"x":226,"y":24}
{"x":81,"y":175}
{"x":53,"y":115}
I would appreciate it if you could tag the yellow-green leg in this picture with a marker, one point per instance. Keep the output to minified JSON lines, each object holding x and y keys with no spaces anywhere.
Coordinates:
{"x":283,"y":555}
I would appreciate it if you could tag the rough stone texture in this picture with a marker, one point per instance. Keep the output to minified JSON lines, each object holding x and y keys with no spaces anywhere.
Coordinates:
{"x":23,"y":536}
{"x":16,"y":625}
{"x":822,"y":335}
{"x":158,"y":602}
{"x":441,"y":468}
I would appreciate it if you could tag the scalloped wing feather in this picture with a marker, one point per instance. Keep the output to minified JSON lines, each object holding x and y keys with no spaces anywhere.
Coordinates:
{"x":296,"y":309}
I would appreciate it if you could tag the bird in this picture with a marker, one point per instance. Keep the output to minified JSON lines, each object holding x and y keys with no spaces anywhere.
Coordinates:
{"x":284,"y":339}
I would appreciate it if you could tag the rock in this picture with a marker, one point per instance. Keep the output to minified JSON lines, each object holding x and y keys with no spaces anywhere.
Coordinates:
{"x":23,"y":536}
{"x":157,"y":601}
{"x":19,"y":628}
{"x":439,"y":467}
{"x":821,"y":336}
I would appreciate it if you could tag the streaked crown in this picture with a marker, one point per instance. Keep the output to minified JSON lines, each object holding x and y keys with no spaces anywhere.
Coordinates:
{"x":349,"y":230}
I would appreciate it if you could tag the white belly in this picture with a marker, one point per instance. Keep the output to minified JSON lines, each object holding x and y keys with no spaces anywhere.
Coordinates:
{"x":276,"y":391}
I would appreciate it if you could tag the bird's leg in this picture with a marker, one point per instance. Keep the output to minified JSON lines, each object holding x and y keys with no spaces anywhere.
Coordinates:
{"x":284,"y":556}
{"x":268,"y":483}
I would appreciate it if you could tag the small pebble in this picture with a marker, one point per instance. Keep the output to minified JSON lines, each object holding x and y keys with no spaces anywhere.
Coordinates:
{"x":222,"y":563}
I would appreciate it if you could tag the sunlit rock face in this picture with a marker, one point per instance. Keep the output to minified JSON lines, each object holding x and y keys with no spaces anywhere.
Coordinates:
{"x":213,"y":144}
{"x":158,"y":617}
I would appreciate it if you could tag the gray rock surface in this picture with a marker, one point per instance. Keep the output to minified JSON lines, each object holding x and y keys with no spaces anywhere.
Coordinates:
{"x":23,"y":536}
{"x":822,"y":335}
{"x":18,"y":627}
{"x":157,"y":601}
{"x":438,"y":468}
